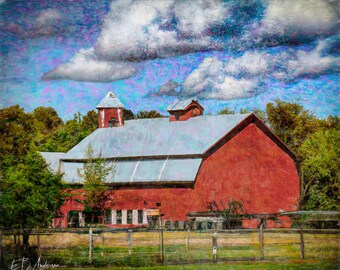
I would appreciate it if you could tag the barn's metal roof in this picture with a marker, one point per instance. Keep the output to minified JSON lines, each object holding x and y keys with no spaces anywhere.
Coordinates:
{"x":157,"y":137}
{"x":149,"y":150}
{"x":52,"y":159}
{"x":141,"y":170}
{"x":180,"y":104}
{"x":110,"y":101}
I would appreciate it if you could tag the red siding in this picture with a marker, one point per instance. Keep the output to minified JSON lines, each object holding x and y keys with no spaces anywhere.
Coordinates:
{"x":109,"y":113}
{"x":250,"y":168}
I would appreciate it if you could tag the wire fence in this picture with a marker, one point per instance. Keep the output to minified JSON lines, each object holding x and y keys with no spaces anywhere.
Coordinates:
{"x":144,"y":248}
{"x":102,"y":246}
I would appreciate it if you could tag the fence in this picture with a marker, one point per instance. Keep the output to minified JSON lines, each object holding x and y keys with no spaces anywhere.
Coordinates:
{"x":80,"y":248}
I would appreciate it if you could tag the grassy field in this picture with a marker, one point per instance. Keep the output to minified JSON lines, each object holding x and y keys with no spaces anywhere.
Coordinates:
{"x":235,"y":250}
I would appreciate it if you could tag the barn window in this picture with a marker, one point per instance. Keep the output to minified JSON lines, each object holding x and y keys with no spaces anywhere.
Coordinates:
{"x":119,"y":217}
{"x":112,"y":122}
{"x":108,"y":217}
{"x":140,"y":216}
{"x":129,"y":217}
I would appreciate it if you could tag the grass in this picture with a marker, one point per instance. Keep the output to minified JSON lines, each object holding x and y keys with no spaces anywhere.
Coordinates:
{"x":235,"y":251}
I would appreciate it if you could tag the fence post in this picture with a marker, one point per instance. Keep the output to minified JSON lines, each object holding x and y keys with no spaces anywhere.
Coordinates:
{"x":214,"y":246}
{"x":38,"y":242}
{"x":103,"y":243}
{"x":129,"y":241}
{"x":187,"y":240}
{"x":90,"y":245}
{"x":261,"y":241}
{"x":1,"y":250}
{"x":161,"y":239}
{"x":302,"y":241}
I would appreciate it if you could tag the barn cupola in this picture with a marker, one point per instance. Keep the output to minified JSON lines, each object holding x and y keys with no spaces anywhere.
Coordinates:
{"x":110,"y":112}
{"x":181,"y":110}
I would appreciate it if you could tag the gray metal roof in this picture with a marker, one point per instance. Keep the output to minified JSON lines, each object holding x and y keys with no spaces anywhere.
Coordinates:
{"x":149,"y":150}
{"x":52,"y":159}
{"x":110,"y":101}
{"x":157,"y":137}
{"x":180,"y":104}
{"x":141,"y":170}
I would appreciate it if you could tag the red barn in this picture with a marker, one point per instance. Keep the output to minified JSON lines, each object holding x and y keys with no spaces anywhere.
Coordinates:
{"x":177,"y":165}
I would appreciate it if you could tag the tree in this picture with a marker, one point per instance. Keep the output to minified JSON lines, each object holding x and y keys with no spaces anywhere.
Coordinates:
{"x":96,"y":173}
{"x":226,"y":111}
{"x":228,"y":210}
{"x":70,"y":134}
{"x":128,"y":114}
{"x":149,"y":114}
{"x":31,"y":195}
{"x":291,"y":123}
{"x":17,"y":131}
{"x":47,"y":119}
{"x":320,"y":170}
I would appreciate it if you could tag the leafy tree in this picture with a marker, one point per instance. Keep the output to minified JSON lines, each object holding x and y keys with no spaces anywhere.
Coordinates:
{"x":47,"y":119}
{"x":70,"y":134}
{"x":17,"y":131}
{"x":226,"y":111}
{"x":30,"y":195}
{"x":149,"y":114}
{"x":320,"y":170}
{"x":95,"y":173}
{"x":291,"y":123}
{"x":228,"y":210}
{"x":128,"y":114}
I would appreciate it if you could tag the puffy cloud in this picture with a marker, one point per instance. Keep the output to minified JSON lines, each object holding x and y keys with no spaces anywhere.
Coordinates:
{"x":138,"y":30}
{"x":291,"y":18}
{"x":210,"y":81}
{"x":48,"y":17}
{"x":312,"y":63}
{"x":84,"y":66}
{"x":249,"y":74}
{"x":48,"y":23}
{"x":167,"y":89}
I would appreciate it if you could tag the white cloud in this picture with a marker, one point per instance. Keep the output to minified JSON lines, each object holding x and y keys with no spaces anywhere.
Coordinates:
{"x":146,"y":29}
{"x":311,"y":63}
{"x":252,"y":63}
{"x":48,"y":17}
{"x":84,"y":66}
{"x":293,"y":18}
{"x":210,"y":81}
{"x":168,"y":89}
{"x":241,"y":77}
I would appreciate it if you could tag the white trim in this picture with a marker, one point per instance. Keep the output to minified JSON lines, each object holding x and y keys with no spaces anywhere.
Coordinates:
{"x":113,"y":216}
{"x":124,"y":217}
{"x":162,"y":169}
{"x":134,"y":170}
{"x":134,"y":217}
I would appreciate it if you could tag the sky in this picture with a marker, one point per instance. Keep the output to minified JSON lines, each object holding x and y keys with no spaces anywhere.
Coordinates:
{"x":236,"y":54}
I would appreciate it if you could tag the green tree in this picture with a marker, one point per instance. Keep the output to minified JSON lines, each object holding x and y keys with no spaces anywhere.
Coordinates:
{"x":128,"y":114}
{"x":226,"y":111}
{"x":47,"y":119}
{"x":70,"y":134}
{"x":149,"y":114}
{"x":291,"y":123}
{"x":96,"y":173}
{"x":17,"y":131}
{"x":31,"y":195}
{"x":320,"y":170}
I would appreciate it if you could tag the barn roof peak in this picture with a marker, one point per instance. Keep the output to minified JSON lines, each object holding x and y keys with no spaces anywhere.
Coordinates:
{"x":110,"y":101}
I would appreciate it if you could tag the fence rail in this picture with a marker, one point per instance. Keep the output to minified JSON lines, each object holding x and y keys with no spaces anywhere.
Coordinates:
{"x":144,"y":248}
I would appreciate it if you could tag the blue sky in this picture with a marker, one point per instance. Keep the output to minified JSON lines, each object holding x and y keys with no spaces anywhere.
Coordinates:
{"x":69,"y":54}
